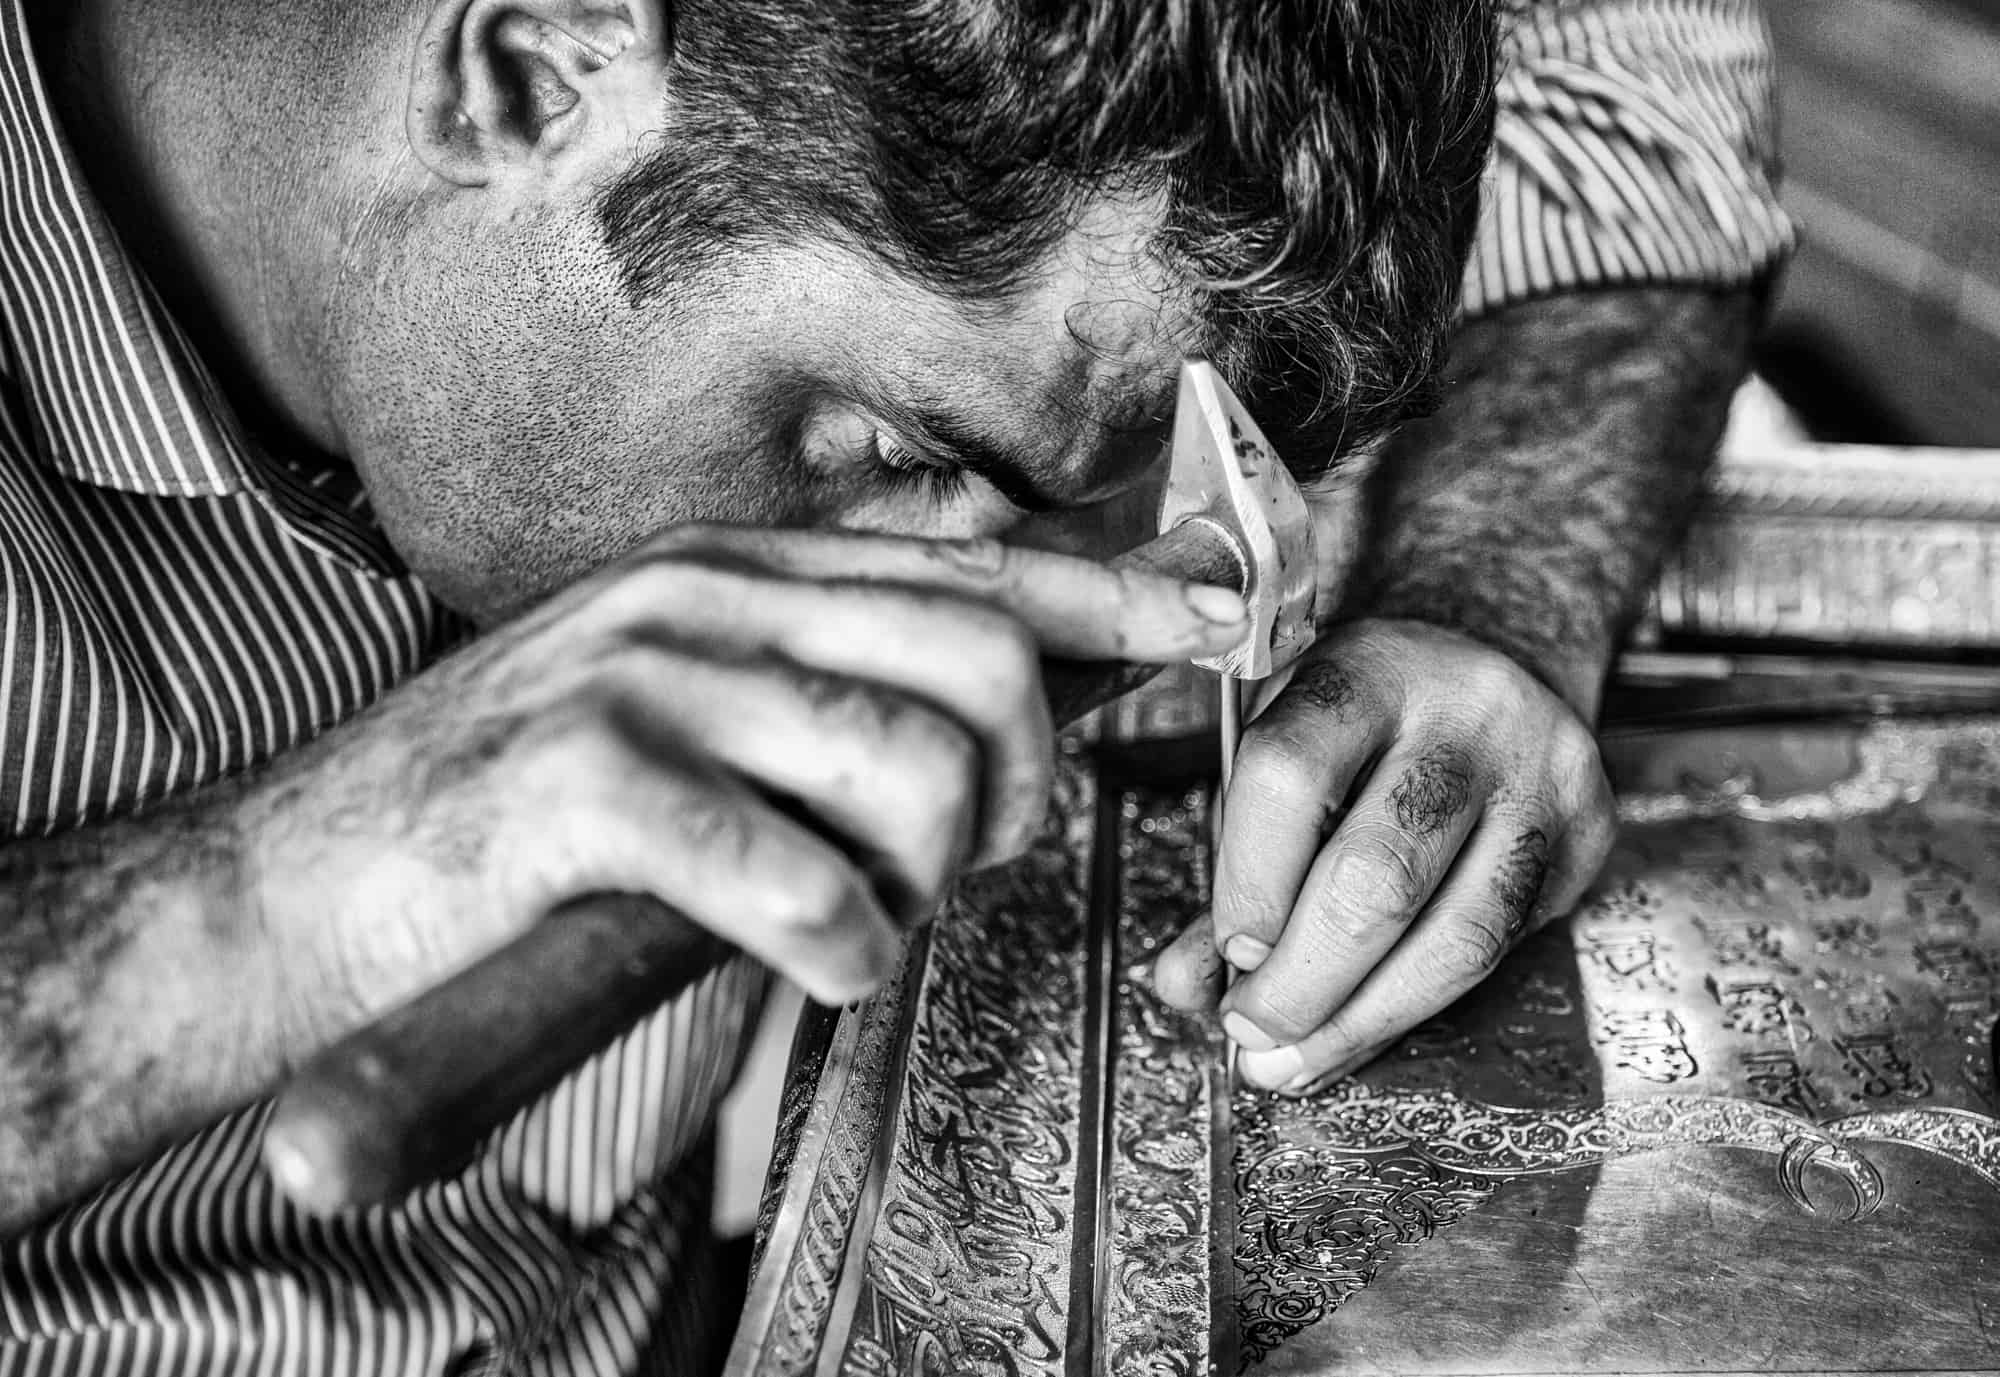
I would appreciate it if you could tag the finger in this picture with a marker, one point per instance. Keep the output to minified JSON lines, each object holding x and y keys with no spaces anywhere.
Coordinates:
{"x":1075,"y":608}
{"x":1585,"y":844}
{"x":1491,"y":899}
{"x":968,"y":659}
{"x":620,"y":816}
{"x":1188,"y":974}
{"x":893,"y":778}
{"x":1293,"y":772}
{"x":1365,"y":889}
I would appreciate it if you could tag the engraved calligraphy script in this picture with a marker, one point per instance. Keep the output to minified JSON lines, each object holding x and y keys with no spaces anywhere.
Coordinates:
{"x":1809,"y":979}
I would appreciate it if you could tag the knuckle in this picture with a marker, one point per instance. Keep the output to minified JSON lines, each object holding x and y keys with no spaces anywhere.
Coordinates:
{"x":1593,"y":839}
{"x":1381,"y":876}
{"x":577,"y":738}
{"x":1289,"y":1011}
{"x":810,"y":898}
{"x":917,"y":751}
{"x":1434,"y":789}
{"x":612,"y":670}
{"x":980,"y":558}
{"x":1519,"y":881}
{"x":1243,"y":903}
{"x":847,"y":706}
{"x":933,"y":792}
{"x":1494,"y":682}
{"x":670,"y":582}
{"x":1325,"y":686}
{"x":1129,"y":589}
{"x":1275,"y":762}
{"x":720,"y":831}
{"x":1578,"y":765}
{"x":1469,"y":945}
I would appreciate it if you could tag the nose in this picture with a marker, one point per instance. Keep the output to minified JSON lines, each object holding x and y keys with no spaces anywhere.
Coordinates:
{"x":1109,"y":526}
{"x":1113,"y":479}
{"x":1120,"y":458}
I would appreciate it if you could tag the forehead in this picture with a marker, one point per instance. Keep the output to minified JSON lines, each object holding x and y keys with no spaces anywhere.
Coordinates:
{"x":1092,"y":337}
{"x":1125,"y":323}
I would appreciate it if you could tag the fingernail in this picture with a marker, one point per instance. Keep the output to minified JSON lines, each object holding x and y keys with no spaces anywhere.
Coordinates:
{"x":1245,"y":952}
{"x":1346,"y":1066}
{"x":1272,"y":1070}
{"x":1218,"y":605}
{"x":1302,"y":1085}
{"x":1246,"y":1034}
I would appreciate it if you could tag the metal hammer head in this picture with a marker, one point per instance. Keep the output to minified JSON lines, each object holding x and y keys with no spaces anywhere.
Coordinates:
{"x":1224,"y":472}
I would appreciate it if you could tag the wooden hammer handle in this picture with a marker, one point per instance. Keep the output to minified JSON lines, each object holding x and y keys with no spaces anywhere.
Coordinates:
{"x":409,"y":1098}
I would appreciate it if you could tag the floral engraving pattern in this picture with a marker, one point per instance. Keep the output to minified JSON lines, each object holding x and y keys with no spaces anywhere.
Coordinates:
{"x":1803,"y":976}
{"x":1325,"y":1188}
{"x":1313,"y":1227}
{"x":1161,"y":1306}
{"x":1806,"y":975}
{"x":816,"y":1219}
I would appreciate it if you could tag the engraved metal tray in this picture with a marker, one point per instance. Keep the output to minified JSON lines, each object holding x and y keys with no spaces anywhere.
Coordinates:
{"x":1737,"y":1114}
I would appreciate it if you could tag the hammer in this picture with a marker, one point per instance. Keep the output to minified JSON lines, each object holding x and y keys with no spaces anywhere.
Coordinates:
{"x":409,"y":1098}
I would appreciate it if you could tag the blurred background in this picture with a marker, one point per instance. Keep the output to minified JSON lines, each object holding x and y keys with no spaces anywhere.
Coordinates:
{"x":1888,"y":323}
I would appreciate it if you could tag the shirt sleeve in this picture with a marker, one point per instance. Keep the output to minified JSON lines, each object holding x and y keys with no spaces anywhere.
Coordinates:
{"x":1636,"y":144}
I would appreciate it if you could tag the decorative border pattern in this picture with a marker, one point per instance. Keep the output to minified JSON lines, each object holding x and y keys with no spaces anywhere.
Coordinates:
{"x":1161,"y":1311}
{"x":1898,"y":763}
{"x":966,"y":1257}
{"x":791,"y":1303}
{"x":969,"y":1246}
{"x":1326,"y":1186}
{"x":1857,"y":482}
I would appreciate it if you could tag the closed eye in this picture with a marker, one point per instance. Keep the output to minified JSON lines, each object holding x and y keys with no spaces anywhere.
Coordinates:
{"x":907,"y":470}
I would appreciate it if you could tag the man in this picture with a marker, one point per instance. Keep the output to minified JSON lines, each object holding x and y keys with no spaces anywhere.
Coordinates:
{"x":337,"y":330}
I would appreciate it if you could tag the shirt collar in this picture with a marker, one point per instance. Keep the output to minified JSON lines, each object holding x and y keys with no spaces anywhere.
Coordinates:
{"x":118,"y":396}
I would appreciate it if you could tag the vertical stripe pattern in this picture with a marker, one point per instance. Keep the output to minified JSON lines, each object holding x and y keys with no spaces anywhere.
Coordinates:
{"x":1636,"y":144}
{"x":176,"y":604}
{"x":174,"y":607}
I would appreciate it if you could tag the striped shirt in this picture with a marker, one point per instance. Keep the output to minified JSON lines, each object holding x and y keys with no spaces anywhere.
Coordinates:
{"x":1636,"y":144}
{"x":177,"y":603}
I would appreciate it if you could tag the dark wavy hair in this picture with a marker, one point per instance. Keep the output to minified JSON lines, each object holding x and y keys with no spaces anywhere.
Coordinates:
{"x":1319,"y":162}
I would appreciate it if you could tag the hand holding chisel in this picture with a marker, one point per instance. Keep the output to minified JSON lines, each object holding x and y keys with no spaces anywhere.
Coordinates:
{"x":408,"y":1098}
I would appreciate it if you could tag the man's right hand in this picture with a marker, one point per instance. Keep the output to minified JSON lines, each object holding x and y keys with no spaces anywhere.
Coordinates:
{"x":798,"y":739}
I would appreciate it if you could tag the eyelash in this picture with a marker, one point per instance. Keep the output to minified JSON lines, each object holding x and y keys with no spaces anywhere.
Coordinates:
{"x":906,"y":471}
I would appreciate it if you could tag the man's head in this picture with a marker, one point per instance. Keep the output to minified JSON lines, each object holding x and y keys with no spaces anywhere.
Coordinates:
{"x":592,"y":266}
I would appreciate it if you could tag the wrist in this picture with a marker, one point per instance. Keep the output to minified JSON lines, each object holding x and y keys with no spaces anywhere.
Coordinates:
{"x":1573,"y":668}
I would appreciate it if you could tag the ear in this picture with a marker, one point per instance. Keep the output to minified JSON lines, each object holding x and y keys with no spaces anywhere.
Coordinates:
{"x":499,"y":84}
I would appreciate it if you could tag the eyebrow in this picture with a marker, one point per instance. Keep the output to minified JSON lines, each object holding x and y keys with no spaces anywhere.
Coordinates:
{"x":956,"y":442}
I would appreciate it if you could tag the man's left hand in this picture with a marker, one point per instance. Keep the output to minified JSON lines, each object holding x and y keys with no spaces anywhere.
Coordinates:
{"x":1407,"y":808}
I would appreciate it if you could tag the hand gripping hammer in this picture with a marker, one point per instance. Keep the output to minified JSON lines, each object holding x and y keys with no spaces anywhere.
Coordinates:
{"x":409,"y":1098}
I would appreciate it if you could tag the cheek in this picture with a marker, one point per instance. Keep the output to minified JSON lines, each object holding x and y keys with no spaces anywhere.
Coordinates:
{"x":493,"y":529}
{"x":509,"y":452}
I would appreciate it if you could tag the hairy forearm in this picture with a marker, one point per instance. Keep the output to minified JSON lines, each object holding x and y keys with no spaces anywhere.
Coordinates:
{"x":1531,"y":511}
{"x":136,"y":999}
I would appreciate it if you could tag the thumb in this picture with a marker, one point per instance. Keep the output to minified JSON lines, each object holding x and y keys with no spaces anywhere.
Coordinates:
{"x":1188,"y":974}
